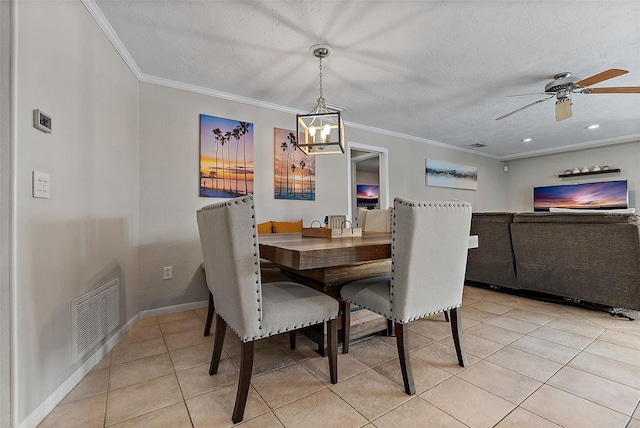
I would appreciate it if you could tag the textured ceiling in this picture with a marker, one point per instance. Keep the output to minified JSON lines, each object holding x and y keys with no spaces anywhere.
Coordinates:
{"x":439,"y":71}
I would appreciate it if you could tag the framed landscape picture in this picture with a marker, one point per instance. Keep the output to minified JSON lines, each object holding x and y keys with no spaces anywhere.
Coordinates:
{"x":446,"y":174}
{"x":368,"y":195}
{"x":226,"y":157}
{"x":294,"y":173}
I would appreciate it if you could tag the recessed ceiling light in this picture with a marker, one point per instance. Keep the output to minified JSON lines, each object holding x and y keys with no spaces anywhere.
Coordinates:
{"x":593,"y":126}
{"x":526,"y":140}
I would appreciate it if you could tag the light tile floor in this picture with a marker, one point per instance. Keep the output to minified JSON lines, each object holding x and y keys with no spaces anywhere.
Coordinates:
{"x":531,"y":364}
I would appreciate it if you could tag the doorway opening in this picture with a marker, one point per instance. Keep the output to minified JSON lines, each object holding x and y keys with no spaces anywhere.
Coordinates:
{"x":368,"y":177}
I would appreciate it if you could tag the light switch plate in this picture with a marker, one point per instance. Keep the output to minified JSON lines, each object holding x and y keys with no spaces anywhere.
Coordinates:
{"x":41,"y":185}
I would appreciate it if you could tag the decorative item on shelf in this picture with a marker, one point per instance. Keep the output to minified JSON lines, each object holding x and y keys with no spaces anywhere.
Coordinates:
{"x":343,"y":228}
{"x":322,"y":129}
{"x":585,"y":171}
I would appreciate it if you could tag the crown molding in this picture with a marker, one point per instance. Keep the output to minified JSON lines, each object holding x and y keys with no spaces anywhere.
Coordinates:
{"x":96,"y":13}
{"x":417,"y":139}
{"x":573,"y":147}
{"x":217,"y":94}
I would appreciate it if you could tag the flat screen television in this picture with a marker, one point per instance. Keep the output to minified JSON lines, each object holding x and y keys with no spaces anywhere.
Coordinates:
{"x":367,"y":195}
{"x":604,"y":195}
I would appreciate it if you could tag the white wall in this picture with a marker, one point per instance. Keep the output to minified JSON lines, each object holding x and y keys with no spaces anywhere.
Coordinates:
{"x":407,"y":171}
{"x":169,"y":180}
{"x":169,"y":186}
{"x":525,"y":174}
{"x":364,"y":177}
{"x":5,"y":209}
{"x":87,"y":232}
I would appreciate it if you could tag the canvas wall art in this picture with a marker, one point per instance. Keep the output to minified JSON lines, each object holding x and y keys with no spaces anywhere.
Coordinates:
{"x":226,"y":157}
{"x":294,"y":172}
{"x":367,"y":195}
{"x":446,"y":174}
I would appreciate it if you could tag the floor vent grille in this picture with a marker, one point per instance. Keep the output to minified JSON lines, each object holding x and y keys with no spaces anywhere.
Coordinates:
{"x":93,"y":316}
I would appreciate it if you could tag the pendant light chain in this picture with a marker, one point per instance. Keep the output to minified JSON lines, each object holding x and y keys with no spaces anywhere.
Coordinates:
{"x":321,"y":77}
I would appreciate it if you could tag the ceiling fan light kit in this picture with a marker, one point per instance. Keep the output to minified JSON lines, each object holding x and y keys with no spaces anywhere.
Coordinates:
{"x":565,"y":84}
{"x":322,"y":128}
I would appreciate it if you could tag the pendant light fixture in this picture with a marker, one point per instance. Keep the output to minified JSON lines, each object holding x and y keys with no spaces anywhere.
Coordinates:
{"x":321,"y":130}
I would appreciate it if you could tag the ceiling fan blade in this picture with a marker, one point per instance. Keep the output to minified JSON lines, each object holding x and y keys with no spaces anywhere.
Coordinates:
{"x":525,"y":107}
{"x":600,"y":77}
{"x":613,"y":90}
{"x":563,"y":109}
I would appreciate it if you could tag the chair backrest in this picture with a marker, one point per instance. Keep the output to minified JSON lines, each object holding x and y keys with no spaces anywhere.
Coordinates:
{"x":228,"y":236}
{"x":429,"y":251}
{"x":378,"y":220}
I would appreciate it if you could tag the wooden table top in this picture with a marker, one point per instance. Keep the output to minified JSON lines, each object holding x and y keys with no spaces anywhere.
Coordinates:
{"x":300,"y":252}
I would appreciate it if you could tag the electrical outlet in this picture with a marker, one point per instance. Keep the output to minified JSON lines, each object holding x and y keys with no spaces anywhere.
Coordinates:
{"x":168,"y":272}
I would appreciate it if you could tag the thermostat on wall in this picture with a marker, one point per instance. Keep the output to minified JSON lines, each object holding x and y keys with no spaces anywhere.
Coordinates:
{"x":41,"y":121}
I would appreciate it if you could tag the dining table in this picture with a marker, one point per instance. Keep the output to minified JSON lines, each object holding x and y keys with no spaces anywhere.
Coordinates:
{"x":326,"y":264}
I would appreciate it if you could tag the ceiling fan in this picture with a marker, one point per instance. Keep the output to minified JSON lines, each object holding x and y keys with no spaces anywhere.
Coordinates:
{"x":565,"y":84}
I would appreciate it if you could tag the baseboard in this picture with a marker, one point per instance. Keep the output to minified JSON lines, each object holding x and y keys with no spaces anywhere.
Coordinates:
{"x":58,"y":395}
{"x":173,"y":309}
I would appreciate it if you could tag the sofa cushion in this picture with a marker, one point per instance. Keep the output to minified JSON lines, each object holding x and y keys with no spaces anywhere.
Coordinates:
{"x":287,"y":226}
{"x":492,"y":262}
{"x":264,"y":228}
{"x":575,"y":217}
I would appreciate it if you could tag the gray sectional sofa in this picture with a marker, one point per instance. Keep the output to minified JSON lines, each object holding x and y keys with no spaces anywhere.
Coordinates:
{"x":592,"y":257}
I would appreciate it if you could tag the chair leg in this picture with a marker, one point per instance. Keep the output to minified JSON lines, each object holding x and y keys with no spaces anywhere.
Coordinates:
{"x":332,"y":344}
{"x":446,"y":316}
{"x":292,"y":339}
{"x":456,"y":331}
{"x":405,"y":362}
{"x":207,"y":326}
{"x":218,"y":341}
{"x":345,"y":308}
{"x":246,"y":367}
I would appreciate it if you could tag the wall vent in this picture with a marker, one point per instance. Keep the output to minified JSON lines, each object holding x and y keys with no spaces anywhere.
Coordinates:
{"x":93,"y":316}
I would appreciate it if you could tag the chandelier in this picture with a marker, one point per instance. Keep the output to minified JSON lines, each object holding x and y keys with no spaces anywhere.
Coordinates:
{"x":321,"y":130}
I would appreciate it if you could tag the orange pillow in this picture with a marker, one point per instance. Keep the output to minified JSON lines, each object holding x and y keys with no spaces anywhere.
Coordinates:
{"x":287,"y":226}
{"x":264,"y":228}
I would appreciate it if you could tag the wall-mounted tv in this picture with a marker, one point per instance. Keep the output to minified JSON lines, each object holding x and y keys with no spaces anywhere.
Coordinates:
{"x":367,"y":195}
{"x":603,"y":195}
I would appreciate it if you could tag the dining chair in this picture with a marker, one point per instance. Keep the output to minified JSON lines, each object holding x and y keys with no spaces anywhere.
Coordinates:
{"x":429,"y":256}
{"x":376,"y":220}
{"x":231,"y":255}
{"x":268,"y":274}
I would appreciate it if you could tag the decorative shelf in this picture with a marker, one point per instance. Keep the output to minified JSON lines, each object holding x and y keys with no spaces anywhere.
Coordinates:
{"x":608,"y":171}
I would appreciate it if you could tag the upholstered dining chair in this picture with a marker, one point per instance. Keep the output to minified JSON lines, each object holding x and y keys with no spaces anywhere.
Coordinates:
{"x":377,"y":220}
{"x":429,"y":256}
{"x":230,"y":249}
{"x":268,"y":274}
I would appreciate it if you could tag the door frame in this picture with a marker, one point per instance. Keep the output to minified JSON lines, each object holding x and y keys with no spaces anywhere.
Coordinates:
{"x":383,"y":171}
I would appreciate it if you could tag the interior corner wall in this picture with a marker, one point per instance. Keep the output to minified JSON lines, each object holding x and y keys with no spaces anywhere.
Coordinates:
{"x":169,"y":183}
{"x":525,"y":174}
{"x":5,"y":211}
{"x":87,"y":232}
